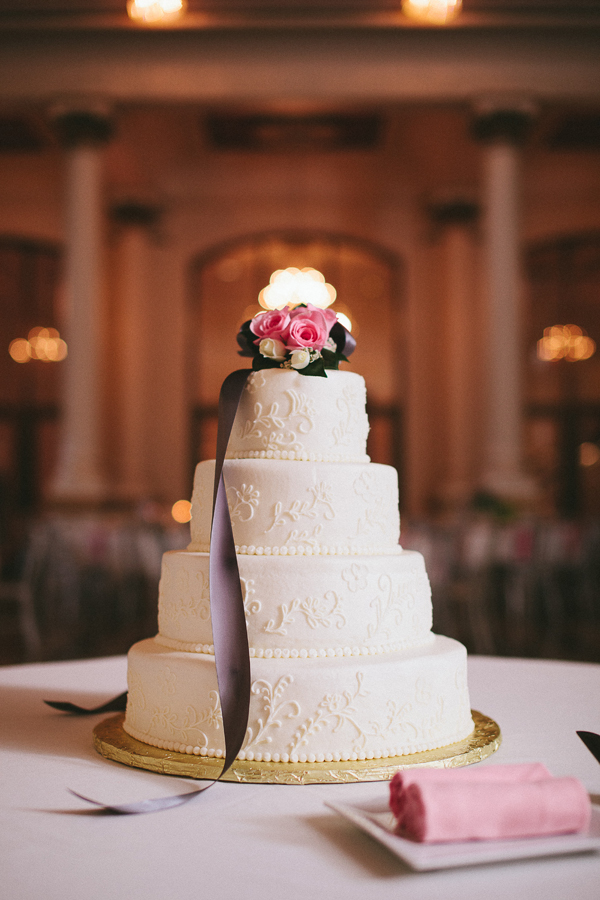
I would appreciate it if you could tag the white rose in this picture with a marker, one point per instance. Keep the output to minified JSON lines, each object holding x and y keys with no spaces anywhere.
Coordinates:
{"x":272,"y":348}
{"x":300,"y":358}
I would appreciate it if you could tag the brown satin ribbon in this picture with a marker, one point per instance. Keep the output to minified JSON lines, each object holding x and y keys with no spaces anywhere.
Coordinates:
{"x":117,"y":704}
{"x":228,"y":617}
{"x":591,"y":741}
{"x":230,"y":636}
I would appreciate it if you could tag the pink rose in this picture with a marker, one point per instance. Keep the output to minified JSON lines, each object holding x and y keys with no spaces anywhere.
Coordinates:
{"x":309,"y":327}
{"x":270,"y":324}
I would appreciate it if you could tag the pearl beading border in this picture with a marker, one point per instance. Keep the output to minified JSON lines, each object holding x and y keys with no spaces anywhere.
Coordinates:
{"x":303,"y":550}
{"x":299,"y":456}
{"x":336,"y":756}
{"x":303,"y":653}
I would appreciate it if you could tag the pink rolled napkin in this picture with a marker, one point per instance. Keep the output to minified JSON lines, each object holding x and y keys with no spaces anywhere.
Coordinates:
{"x":501,"y":805}
{"x":522,"y":772}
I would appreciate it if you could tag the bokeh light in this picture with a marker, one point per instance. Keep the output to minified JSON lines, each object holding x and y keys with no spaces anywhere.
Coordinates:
{"x":182,"y":511}
{"x":291,"y":286}
{"x":344,"y":320}
{"x":589,"y":454}
{"x":568,"y":342}
{"x":44,"y":344}
{"x":20,"y":350}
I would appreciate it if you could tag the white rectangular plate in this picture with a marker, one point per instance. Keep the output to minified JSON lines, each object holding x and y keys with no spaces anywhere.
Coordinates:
{"x":377,"y":821}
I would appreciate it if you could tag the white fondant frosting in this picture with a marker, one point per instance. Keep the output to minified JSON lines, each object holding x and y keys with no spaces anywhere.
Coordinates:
{"x":344,"y":665}
{"x":283,"y":414}
{"x":351,"y":508}
{"x":368,"y":708}
{"x":346,"y":606}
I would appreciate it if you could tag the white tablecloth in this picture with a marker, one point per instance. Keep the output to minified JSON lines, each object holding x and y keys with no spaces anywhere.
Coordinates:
{"x":256,"y":841}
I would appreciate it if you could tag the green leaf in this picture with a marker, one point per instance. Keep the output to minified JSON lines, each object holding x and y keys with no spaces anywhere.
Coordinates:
{"x":263,"y":362}
{"x":317,"y":367}
{"x":332,"y":359}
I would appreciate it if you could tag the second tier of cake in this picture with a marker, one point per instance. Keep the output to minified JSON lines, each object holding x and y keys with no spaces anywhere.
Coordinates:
{"x":284,"y":507}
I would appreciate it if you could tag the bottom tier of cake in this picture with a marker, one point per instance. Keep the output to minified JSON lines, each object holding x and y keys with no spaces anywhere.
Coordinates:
{"x":304,"y":710}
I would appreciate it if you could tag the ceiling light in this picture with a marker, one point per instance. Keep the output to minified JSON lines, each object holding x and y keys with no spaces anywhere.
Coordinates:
{"x":433,"y":12}
{"x":155,"y":12}
{"x":291,"y":286}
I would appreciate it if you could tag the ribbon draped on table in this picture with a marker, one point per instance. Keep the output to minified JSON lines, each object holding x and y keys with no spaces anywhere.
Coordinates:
{"x":230,"y":636}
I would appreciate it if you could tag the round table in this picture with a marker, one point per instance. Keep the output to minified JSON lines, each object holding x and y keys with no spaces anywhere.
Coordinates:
{"x":257,"y":841}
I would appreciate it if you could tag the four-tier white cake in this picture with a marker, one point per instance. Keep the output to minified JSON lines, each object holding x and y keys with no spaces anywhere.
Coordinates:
{"x":343,"y":661}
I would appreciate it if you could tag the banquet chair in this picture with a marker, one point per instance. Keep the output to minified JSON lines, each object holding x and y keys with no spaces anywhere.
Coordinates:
{"x":17,"y":595}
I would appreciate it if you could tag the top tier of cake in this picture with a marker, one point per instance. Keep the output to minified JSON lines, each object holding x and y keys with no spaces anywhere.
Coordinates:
{"x":285,"y":415}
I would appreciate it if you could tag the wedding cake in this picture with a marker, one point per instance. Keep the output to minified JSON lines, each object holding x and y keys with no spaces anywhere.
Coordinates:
{"x":344,"y":665}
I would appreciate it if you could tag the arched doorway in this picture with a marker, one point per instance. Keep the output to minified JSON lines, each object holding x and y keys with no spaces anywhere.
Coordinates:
{"x":563,"y":410}
{"x":224,"y":290}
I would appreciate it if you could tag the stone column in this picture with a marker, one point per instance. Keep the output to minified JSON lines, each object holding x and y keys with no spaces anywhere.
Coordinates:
{"x":135,"y":221}
{"x":502,"y":129}
{"x":82,"y":130}
{"x":455,"y":217}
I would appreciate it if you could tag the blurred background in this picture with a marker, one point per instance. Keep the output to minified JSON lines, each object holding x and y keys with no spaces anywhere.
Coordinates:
{"x":439,"y":163}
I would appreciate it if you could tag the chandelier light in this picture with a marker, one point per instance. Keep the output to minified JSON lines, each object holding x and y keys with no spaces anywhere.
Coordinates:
{"x":291,"y":286}
{"x":568,"y":342}
{"x":155,"y":12}
{"x":432,"y":12}
{"x":44,"y":344}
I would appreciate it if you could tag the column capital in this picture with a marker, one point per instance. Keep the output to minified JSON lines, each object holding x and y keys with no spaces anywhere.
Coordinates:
{"x":81,"y":121}
{"x":453,"y":209}
{"x":135,"y":213}
{"x":506,"y":120}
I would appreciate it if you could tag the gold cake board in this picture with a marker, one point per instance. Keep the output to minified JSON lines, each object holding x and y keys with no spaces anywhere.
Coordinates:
{"x":111,"y":741}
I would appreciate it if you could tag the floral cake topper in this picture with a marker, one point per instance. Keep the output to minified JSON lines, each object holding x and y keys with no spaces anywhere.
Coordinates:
{"x":298,"y":336}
